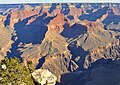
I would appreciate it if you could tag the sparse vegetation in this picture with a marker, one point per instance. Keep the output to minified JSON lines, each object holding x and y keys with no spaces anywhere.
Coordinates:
{"x":13,"y":73}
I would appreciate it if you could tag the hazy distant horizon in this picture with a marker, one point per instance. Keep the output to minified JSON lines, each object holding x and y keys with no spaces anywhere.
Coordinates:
{"x":57,"y":1}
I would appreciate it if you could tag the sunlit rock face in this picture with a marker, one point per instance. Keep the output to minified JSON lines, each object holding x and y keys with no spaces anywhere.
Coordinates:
{"x":27,"y":12}
{"x":115,"y":10}
{"x":95,"y":40}
{"x":51,"y":54}
{"x":2,"y":18}
{"x":5,"y":38}
{"x":96,"y":34}
{"x":57,"y":23}
{"x":44,"y":77}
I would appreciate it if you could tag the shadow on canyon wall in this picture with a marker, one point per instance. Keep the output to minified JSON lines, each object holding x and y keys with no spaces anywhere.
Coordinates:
{"x":7,"y":21}
{"x":115,"y":19}
{"x":65,"y":9}
{"x":81,"y":77}
{"x":53,"y":7}
{"x":73,"y":31}
{"x":94,"y":16}
{"x":32,"y":33}
{"x":41,"y":62}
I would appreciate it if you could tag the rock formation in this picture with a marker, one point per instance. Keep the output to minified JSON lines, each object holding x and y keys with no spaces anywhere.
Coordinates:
{"x":57,"y":23}
{"x":96,"y":40}
{"x":23,"y":14}
{"x":55,"y":57}
{"x":44,"y":77}
{"x":5,"y":38}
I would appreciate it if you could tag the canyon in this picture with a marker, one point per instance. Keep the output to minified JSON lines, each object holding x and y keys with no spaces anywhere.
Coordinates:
{"x":78,"y":43}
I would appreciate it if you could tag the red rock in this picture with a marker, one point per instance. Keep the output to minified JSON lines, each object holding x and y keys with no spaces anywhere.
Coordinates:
{"x":56,"y":11}
{"x":104,"y":17}
{"x":22,"y":14}
{"x":57,"y":23}
{"x":2,"y":18}
{"x":115,"y":11}
{"x":76,"y":11}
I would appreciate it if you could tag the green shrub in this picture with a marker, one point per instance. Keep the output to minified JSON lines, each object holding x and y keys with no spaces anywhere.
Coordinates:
{"x":14,"y":73}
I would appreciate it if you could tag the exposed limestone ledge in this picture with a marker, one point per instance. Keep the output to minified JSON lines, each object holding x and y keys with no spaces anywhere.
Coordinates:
{"x":44,"y":77}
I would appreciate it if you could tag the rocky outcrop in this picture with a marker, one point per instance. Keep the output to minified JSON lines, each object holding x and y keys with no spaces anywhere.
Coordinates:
{"x":23,"y":14}
{"x":96,"y":35}
{"x":104,"y":17}
{"x":2,"y":18}
{"x":44,"y":77}
{"x":115,"y":10}
{"x":97,"y":41}
{"x":52,"y":54}
{"x":5,"y":40}
{"x":49,"y":45}
{"x":57,"y":23}
{"x":75,"y":12}
{"x":54,"y":48}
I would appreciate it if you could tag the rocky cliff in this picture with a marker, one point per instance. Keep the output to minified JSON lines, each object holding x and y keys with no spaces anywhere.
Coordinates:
{"x":51,"y":54}
{"x":5,"y":38}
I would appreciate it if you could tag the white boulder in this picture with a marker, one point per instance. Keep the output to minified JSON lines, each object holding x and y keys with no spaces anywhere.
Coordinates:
{"x":44,"y":77}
